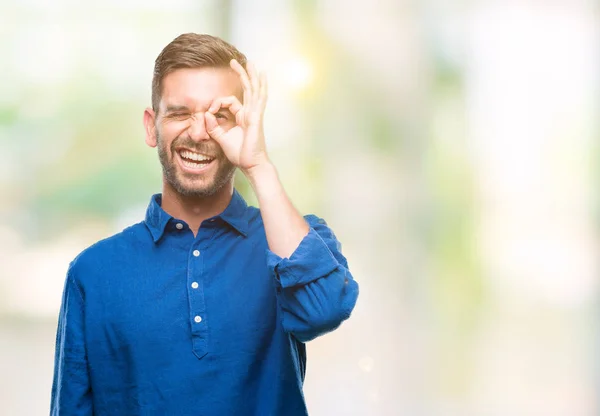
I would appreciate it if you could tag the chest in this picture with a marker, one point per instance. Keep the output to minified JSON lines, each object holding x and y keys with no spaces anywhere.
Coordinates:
{"x":214,"y":295}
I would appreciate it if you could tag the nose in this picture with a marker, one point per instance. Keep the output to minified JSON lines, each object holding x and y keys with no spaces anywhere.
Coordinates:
{"x":197,"y":129}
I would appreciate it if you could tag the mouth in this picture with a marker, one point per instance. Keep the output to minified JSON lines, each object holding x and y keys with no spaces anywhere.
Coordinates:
{"x":194,"y":162}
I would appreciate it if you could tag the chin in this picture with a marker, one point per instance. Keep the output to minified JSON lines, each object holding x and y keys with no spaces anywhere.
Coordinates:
{"x":197,"y":191}
{"x":193,"y":186}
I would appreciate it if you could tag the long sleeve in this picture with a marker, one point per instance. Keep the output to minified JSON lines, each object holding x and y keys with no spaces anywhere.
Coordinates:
{"x":314,"y":286}
{"x":71,"y":392}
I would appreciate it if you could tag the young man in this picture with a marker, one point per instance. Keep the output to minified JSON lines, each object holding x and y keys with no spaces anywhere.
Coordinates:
{"x":204,"y":307}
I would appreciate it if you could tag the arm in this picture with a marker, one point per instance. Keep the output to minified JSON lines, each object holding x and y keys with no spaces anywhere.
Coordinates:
{"x":243,"y":142}
{"x":315,"y":288}
{"x":316,"y":291}
{"x":284,"y":226}
{"x":71,"y":391}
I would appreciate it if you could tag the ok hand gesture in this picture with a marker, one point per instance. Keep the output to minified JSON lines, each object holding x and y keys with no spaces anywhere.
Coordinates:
{"x":243,"y":144}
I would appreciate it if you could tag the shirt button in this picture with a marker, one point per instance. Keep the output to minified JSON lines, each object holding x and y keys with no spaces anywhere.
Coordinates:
{"x":179,"y":226}
{"x":196,"y":253}
{"x":197,"y":319}
{"x":195,"y":285}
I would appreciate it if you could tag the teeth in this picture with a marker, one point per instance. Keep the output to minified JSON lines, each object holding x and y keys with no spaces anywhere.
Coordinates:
{"x":193,"y":156}
{"x":192,"y":164}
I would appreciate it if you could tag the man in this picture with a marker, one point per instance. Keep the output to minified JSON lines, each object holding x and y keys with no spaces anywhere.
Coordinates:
{"x":204,"y":307}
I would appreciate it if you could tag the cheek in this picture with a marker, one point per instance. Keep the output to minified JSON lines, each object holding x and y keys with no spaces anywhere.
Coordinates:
{"x":169,"y":133}
{"x":174,"y":128}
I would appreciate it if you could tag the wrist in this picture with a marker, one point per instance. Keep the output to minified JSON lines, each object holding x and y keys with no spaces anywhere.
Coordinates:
{"x":259,"y":171}
{"x":263,"y":178}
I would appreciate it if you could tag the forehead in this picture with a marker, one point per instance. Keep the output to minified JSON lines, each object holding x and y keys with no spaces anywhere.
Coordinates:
{"x":198,"y":87}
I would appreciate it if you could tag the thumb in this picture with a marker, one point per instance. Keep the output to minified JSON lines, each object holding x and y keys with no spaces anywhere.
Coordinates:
{"x":212,"y":127}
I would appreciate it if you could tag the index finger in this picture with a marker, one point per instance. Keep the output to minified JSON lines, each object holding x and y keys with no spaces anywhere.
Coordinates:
{"x":239,"y":69}
{"x":231,"y":102}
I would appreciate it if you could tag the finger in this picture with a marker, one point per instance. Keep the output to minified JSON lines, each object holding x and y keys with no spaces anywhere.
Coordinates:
{"x":212,"y":126}
{"x":254,"y":81}
{"x":231,"y":103}
{"x":239,"y":69}
{"x":246,"y":85}
{"x":264,"y":92}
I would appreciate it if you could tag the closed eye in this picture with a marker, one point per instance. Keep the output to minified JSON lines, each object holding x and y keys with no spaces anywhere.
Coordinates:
{"x":179,"y":116}
{"x":177,"y":112}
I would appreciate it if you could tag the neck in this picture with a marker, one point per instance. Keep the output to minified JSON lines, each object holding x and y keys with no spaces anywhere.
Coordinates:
{"x":194,"y":210}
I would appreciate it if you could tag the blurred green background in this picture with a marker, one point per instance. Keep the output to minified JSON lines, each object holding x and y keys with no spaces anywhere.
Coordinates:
{"x":450,"y":145}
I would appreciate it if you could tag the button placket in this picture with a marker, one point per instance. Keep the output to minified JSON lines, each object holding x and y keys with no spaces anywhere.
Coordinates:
{"x":197,"y":305}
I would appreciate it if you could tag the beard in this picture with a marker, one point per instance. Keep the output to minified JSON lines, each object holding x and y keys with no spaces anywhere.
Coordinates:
{"x":189,"y":185}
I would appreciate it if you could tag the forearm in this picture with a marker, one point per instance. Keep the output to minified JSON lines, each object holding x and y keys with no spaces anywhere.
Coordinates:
{"x":316,"y":290}
{"x":320,"y":306}
{"x":284,"y":226}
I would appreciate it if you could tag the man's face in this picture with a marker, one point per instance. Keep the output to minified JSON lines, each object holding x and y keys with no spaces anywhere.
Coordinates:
{"x":193,"y":163}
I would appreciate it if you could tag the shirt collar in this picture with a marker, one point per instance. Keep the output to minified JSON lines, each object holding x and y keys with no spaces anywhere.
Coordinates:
{"x":234,"y":215}
{"x":156,"y":217}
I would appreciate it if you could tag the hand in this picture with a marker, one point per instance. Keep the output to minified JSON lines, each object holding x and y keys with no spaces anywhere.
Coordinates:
{"x":243,"y":144}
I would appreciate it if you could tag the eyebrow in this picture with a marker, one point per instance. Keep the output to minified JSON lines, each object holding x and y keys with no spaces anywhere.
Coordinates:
{"x":176,"y":108}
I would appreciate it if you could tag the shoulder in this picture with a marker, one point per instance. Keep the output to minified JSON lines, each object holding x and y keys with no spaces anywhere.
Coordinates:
{"x":253,"y":214}
{"x":314,"y":221}
{"x":317,"y":224}
{"x":103,"y":253}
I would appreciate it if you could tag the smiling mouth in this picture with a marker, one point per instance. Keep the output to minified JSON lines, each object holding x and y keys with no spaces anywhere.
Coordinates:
{"x":194,"y":160}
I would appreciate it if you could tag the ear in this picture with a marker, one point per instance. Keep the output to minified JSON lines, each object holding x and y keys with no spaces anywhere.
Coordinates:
{"x":150,"y":127}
